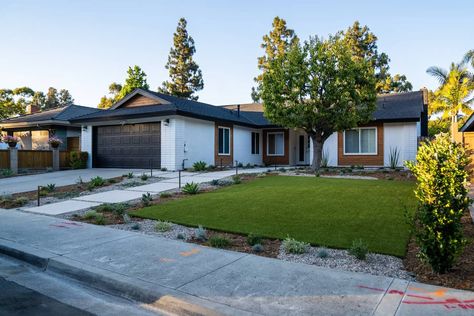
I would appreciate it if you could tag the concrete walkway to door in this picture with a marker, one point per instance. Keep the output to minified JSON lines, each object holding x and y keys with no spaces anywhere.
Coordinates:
{"x":28,"y":183}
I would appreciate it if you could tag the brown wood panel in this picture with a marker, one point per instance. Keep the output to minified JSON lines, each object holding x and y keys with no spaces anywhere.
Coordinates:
{"x":139,"y":100}
{"x":468,"y":140}
{"x":364,"y":160}
{"x":224,"y":160}
{"x":4,"y":159}
{"x":73,"y":144}
{"x":64,"y":160}
{"x":35,"y":159}
{"x":128,"y":146}
{"x":277,"y":160}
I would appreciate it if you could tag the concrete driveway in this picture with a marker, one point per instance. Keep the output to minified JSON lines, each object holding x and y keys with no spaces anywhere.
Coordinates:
{"x":60,"y":178}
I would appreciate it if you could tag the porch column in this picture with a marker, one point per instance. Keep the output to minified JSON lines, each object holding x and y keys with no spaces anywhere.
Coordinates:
{"x":14,"y":160}
{"x":56,"y":159}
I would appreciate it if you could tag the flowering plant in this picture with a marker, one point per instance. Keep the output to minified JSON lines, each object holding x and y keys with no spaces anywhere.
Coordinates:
{"x":54,"y":142}
{"x":10,"y":139}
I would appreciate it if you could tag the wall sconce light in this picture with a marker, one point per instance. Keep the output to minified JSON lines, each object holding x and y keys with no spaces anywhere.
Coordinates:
{"x":166,"y":122}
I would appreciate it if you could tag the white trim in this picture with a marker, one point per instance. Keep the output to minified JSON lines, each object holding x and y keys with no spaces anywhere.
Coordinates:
{"x":223,"y":146}
{"x":276,"y":155}
{"x":359,"y":153}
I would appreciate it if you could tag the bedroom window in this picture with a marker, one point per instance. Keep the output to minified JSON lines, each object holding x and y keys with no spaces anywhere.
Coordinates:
{"x":275,"y":144}
{"x":255,"y":143}
{"x":224,"y":141}
{"x":360,"y":141}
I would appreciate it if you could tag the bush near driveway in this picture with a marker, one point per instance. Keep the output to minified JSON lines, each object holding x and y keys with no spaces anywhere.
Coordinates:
{"x":321,"y":211}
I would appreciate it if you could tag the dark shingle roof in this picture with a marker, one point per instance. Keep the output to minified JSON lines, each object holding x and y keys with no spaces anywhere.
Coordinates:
{"x":390,"y":107}
{"x":59,"y":114}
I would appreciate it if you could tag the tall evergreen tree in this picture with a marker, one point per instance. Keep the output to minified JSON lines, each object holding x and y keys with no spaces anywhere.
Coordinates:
{"x":275,"y":44}
{"x":65,"y":98}
{"x":114,"y":90}
{"x":364,"y":45}
{"x":52,"y":100}
{"x":136,"y":79}
{"x":185,"y":75}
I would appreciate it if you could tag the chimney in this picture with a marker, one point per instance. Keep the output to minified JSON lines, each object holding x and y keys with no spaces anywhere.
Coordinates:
{"x":238,"y":109}
{"x":32,"y":108}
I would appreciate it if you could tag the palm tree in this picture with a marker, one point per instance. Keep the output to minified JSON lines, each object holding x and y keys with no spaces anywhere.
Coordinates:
{"x":454,"y":95}
{"x":469,"y":57}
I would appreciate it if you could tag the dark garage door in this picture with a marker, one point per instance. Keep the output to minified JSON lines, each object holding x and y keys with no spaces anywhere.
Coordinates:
{"x":127,"y":146}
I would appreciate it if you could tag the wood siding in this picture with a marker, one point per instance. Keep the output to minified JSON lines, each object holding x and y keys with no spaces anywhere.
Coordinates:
{"x":35,"y":159}
{"x":468,"y":140}
{"x":138,"y":100}
{"x":73,"y":144}
{"x":364,"y":160}
{"x":224,"y":160}
{"x":4,"y":159}
{"x":276,"y":160}
{"x":64,"y":160}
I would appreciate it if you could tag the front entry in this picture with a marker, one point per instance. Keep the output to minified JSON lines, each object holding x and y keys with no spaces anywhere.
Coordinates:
{"x":301,"y":149}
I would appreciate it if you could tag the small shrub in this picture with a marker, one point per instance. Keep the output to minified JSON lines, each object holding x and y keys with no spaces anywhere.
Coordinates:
{"x":359,"y":249}
{"x":130,"y":175}
{"x":240,"y":165}
{"x":162,"y":226}
{"x":181,"y":236}
{"x":215,"y":182}
{"x":325,"y":159}
{"x":50,"y":187}
{"x":199,"y":166}
{"x":90,"y":215}
{"x":136,"y":226}
{"x":200,"y":233}
{"x":111,"y":181}
{"x":99,"y":219}
{"x":165,"y":195}
{"x":249,"y":166}
{"x":104,"y":208}
{"x":282,"y":169}
{"x":144,"y":177}
{"x":78,"y":159}
{"x":20,"y":201}
{"x":120,"y":208}
{"x":211,"y":167}
{"x":146,"y":199}
{"x":219,"y":241}
{"x":164,"y":169}
{"x":394,"y":157}
{"x":191,"y":188}
{"x":236,"y":179}
{"x":96,"y":182}
{"x":6,"y":172}
{"x":253,"y":239}
{"x":257,"y":248}
{"x":322,"y":253}
{"x":292,"y":245}
{"x":79,"y":181}
{"x":131,"y":184}
{"x":7,"y":201}
{"x":126,"y":218}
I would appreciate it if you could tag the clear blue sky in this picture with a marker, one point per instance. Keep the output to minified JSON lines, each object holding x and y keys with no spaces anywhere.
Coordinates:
{"x":85,"y":45}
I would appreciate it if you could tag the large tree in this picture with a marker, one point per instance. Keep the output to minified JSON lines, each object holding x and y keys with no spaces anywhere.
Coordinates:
{"x":185,"y":75}
{"x":65,"y":98}
{"x":454,"y":96}
{"x":52,"y":100}
{"x":107,"y":102}
{"x":275,"y":44}
{"x":136,"y":78}
{"x":364,"y":44}
{"x":320,"y":87}
{"x":8,"y":106}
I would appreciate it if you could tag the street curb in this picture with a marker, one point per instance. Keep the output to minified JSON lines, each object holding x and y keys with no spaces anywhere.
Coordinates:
{"x":155,"y":297}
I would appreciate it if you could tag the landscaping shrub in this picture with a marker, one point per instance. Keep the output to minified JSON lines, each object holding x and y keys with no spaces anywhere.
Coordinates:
{"x":144,"y":177}
{"x":165,"y":195}
{"x":191,"y":188}
{"x":50,"y":187}
{"x":129,"y":175}
{"x":322,"y":253}
{"x":240,"y":165}
{"x":292,"y":245}
{"x":249,"y":166}
{"x":325,"y":159}
{"x":7,"y":201}
{"x":164,"y":169}
{"x":181,"y":236}
{"x":236,"y":179}
{"x":135,"y":226}
{"x":199,"y":166}
{"x":257,"y":248}
{"x":111,"y":181}
{"x":90,"y":215}
{"x":219,"y":241}
{"x":282,"y":169}
{"x":394,"y":158}
{"x":78,"y":159}
{"x":96,"y":182}
{"x":162,"y":227}
{"x":146,"y":199}
{"x":253,"y":239}
{"x":442,"y":193}
{"x":359,"y":249}
{"x":215,"y":182}
{"x":200,"y":233}
{"x":79,"y":181}
{"x":6,"y":172}
{"x":211,"y":167}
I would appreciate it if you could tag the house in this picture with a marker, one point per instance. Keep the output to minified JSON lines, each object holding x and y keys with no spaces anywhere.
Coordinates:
{"x":153,"y":130}
{"x":35,"y":128}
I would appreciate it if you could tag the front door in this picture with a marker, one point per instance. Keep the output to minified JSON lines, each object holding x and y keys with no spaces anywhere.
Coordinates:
{"x":301,"y":149}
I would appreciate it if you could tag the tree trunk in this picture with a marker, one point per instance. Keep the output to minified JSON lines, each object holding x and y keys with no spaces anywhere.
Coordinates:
{"x":318,"y":143}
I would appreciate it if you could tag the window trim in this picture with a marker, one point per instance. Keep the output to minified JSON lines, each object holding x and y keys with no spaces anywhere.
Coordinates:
{"x":255,"y":143}
{"x":359,"y":153}
{"x":268,"y":147}
{"x":223,"y":146}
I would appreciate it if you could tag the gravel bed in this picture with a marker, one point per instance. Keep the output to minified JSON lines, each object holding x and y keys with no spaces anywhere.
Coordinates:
{"x":376,"y":264}
{"x":147,"y":227}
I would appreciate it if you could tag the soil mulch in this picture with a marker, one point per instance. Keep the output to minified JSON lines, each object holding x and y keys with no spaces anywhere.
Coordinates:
{"x":462,"y":274}
{"x":379,"y":174}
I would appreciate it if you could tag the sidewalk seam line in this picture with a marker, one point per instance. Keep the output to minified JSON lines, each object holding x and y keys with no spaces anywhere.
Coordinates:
{"x":403,"y":297}
{"x":381,"y":299}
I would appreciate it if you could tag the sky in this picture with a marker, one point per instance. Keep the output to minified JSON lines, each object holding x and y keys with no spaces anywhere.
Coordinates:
{"x":84,"y":45}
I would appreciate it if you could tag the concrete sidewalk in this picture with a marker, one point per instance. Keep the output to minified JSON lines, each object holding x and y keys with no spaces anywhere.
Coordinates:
{"x":170,"y":181}
{"x":174,"y":275}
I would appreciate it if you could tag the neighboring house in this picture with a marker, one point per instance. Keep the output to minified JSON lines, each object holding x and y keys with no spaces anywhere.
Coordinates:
{"x":34,"y":129}
{"x":152,"y":130}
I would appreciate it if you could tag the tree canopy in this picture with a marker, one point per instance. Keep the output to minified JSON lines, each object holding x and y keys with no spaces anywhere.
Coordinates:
{"x":185,"y":75}
{"x":320,"y":87}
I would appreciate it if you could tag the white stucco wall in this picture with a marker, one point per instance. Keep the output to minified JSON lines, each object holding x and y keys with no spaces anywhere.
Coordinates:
{"x":198,"y":142}
{"x":329,"y":149}
{"x":243,"y":146}
{"x":402,"y":136}
{"x":86,"y":143}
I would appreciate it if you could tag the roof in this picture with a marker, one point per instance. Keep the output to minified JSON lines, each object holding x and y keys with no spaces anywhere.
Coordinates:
{"x":468,"y":126}
{"x":58,"y":114}
{"x":396,"y":107}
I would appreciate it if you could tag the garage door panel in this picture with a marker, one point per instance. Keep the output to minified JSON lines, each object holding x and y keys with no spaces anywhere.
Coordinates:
{"x":128,"y":146}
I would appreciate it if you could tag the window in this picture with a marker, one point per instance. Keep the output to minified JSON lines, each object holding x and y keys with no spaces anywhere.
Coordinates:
{"x":39,"y":140}
{"x":255,"y":143}
{"x":360,"y":141}
{"x":275,"y":144}
{"x":224,"y":141}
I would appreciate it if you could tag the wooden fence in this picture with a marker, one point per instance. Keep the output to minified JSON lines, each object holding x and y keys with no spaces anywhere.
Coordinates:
{"x":34,"y":159}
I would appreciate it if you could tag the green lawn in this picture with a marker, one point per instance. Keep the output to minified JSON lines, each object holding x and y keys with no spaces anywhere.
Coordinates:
{"x":329,"y":212}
